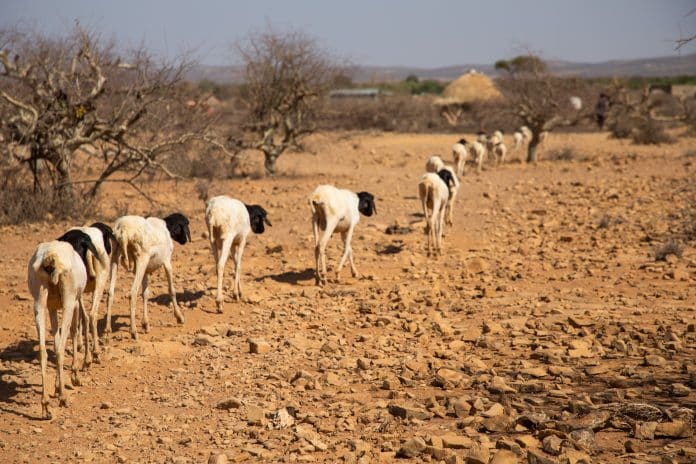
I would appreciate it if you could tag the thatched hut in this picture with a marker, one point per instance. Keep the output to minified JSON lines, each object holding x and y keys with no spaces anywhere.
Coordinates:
{"x":469,"y":87}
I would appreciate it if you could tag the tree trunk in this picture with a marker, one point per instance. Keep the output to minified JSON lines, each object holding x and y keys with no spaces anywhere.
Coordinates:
{"x":532,"y":147}
{"x":64,"y":187}
{"x":532,"y":152}
{"x":270,"y":163}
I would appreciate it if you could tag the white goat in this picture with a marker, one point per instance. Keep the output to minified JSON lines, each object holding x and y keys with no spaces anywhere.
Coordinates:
{"x":479,"y":151}
{"x":147,"y":243}
{"x":453,"y":188}
{"x":500,"y":150}
{"x":433,"y":191}
{"x":229,"y":223}
{"x":434,"y":164}
{"x":526,"y":132}
{"x":57,"y":278}
{"x":336,"y":210}
{"x":460,"y":154}
{"x":97,"y":266}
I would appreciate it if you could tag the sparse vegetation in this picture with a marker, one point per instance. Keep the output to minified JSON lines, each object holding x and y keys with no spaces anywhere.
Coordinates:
{"x":540,"y":100}
{"x":286,"y":74}
{"x":671,"y":247}
{"x":566,"y":153}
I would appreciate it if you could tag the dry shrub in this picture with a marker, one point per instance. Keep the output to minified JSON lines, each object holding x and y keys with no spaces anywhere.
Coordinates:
{"x":651,"y":132}
{"x":671,"y":247}
{"x":20,"y":204}
{"x":566,"y":153}
{"x":390,"y":114}
{"x":203,"y":166}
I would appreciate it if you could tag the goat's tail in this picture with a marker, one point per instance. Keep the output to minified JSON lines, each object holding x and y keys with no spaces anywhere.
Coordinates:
{"x":53,"y":266}
{"x":318,"y":212}
{"x":130,"y":247}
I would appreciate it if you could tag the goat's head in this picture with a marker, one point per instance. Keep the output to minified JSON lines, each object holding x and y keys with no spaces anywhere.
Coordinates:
{"x":446,"y":176}
{"x":366,"y":203}
{"x":178,"y":226}
{"x":257,"y":218}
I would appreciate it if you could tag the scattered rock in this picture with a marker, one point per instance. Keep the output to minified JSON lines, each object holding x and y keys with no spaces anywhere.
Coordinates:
{"x":478,"y":454}
{"x":456,"y":442}
{"x":231,"y":403}
{"x":411,"y":448}
{"x":258,"y":346}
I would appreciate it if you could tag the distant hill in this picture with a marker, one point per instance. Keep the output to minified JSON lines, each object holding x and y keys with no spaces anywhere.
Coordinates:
{"x":645,"y":67}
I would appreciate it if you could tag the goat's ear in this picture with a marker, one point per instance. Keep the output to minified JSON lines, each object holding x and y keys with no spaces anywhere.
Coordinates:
{"x":268,"y":223}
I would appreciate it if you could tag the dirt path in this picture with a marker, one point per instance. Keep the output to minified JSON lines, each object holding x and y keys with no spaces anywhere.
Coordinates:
{"x":540,"y":331}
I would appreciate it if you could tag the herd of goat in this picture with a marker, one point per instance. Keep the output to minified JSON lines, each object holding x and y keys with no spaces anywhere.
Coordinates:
{"x":84,"y":259}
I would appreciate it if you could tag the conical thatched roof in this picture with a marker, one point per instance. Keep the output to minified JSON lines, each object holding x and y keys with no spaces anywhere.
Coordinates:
{"x":469,"y":87}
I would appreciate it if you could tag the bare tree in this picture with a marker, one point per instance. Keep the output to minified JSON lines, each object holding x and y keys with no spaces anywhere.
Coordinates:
{"x":540,"y":100}
{"x":60,"y":97}
{"x":286,"y":74}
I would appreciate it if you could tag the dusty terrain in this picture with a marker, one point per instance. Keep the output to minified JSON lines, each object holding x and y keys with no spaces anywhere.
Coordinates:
{"x":546,"y":333}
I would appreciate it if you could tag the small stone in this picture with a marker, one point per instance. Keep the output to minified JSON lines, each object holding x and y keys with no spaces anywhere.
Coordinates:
{"x":631,"y":446}
{"x":492,"y":327}
{"x":406,"y":412}
{"x":477,"y":266}
{"x":489,"y":291}
{"x":674,"y":429}
{"x":528,"y":441}
{"x":448,"y":377}
{"x":411,"y":448}
{"x":333,"y":379}
{"x":220,"y":458}
{"x":231,"y":403}
{"x":282,"y":419}
{"x":498,"y":424}
{"x":363,"y":364}
{"x":654,"y":360}
{"x":255,"y":415}
{"x":106,"y":405}
{"x":498,"y":385}
{"x":461,"y":408}
{"x":571,"y":456}
{"x":478,"y":454}
{"x":552,"y":444}
{"x":205,"y":340}
{"x":391,"y":383}
{"x":536,"y":457}
{"x":496,"y":410}
{"x":644,"y":430}
{"x":679,"y":389}
{"x":306,"y":432}
{"x":504,"y":457}
{"x":258,"y":346}
{"x":456,"y":442}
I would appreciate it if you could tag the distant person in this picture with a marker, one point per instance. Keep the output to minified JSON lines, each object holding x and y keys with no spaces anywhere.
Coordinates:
{"x":601,"y":109}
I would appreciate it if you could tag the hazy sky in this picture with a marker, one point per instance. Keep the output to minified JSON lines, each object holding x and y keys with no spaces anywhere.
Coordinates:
{"x":424,"y":33}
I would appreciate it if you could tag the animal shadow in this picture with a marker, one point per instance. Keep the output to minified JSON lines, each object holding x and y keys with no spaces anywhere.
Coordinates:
{"x":182,"y":297}
{"x":290,"y":277}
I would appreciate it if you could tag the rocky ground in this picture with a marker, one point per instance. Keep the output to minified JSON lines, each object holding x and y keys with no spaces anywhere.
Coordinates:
{"x":547,"y":332}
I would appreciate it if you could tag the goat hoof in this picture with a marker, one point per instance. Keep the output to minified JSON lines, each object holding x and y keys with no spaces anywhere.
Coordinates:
{"x":63,"y":401}
{"x":134,"y":334}
{"x":45,"y":411}
{"x":146,"y":327}
{"x":75,"y":380}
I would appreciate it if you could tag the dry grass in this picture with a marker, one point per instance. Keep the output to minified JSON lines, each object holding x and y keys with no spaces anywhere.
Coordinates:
{"x":671,"y":247}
